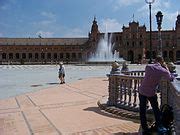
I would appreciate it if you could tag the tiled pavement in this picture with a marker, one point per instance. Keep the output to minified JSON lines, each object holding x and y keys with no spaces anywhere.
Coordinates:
{"x":63,"y":109}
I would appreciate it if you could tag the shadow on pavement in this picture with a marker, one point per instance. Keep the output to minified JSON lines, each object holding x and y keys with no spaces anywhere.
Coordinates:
{"x":99,"y":111}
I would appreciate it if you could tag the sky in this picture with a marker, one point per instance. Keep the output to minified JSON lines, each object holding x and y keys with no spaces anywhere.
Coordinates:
{"x":73,"y":18}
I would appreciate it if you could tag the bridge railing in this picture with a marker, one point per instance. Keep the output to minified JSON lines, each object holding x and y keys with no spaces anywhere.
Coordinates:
{"x":123,"y":93}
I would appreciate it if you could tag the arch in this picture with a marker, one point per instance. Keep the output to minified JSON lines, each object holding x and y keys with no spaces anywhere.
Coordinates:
{"x":55,"y":55}
{"x":23,"y":55}
{"x":130,"y":56}
{"x":49,"y":55}
{"x":30,"y":55}
{"x":154,"y":54}
{"x":61,"y":55}
{"x":74,"y":55}
{"x":17,"y":55}
{"x":171,"y":55}
{"x":42,"y":55}
{"x":80,"y":55}
{"x":148,"y":55}
{"x":36,"y":56}
{"x":10,"y":55}
{"x":178,"y":55}
{"x":67,"y":55}
{"x":165,"y":56}
{"x":4,"y":56}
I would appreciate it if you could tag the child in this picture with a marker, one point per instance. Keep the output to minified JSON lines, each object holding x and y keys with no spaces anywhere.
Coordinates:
{"x":61,"y":73}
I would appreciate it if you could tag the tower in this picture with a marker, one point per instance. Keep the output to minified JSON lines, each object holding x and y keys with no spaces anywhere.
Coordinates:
{"x":94,"y":31}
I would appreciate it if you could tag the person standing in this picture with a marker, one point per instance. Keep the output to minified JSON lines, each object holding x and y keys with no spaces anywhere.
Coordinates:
{"x":61,"y":73}
{"x":147,"y":92}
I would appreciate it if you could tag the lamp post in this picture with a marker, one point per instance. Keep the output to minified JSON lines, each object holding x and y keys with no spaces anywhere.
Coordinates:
{"x":150,"y":36}
{"x":159,"y":17}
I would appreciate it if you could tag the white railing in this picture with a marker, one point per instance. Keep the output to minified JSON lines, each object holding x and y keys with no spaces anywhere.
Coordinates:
{"x":123,"y":93}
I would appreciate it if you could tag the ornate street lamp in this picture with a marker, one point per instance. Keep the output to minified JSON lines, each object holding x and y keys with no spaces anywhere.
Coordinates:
{"x":150,"y":36}
{"x":159,"y":17}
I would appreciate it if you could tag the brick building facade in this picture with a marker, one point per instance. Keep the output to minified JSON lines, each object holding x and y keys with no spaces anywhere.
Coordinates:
{"x":132,"y":44}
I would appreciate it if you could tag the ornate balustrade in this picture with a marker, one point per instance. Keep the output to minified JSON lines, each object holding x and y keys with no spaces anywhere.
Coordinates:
{"x":134,"y":73}
{"x":123,"y":93}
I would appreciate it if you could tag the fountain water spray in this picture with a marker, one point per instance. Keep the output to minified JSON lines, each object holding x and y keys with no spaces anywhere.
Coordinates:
{"x":104,"y":51}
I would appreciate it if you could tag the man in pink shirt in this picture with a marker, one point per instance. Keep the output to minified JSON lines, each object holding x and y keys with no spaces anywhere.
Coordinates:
{"x":147,"y":92}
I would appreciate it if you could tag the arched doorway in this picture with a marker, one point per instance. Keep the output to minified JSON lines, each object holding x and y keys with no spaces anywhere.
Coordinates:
{"x":171,"y":56}
{"x":165,"y":55}
{"x":148,"y":55}
{"x":178,"y":55}
{"x":130,"y":56}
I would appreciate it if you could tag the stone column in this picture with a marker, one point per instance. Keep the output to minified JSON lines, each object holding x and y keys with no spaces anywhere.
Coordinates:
{"x":113,"y":84}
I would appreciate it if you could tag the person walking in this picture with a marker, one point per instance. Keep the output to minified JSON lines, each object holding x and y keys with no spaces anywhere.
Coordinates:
{"x":61,"y":73}
{"x":147,"y":92}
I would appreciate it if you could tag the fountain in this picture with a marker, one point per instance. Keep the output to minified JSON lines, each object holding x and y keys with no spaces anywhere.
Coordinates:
{"x":104,"y":52}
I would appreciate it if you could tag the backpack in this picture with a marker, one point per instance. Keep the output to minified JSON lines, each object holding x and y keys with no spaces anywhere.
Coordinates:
{"x":167,"y":115}
{"x":167,"y":118}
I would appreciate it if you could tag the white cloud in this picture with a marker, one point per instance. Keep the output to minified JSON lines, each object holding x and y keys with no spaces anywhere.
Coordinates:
{"x":110,"y":25}
{"x":156,"y":6}
{"x":120,"y":3}
{"x":48,"y":14}
{"x":44,"y":23}
{"x":169,"y":16}
{"x":75,"y":32}
{"x":49,"y":20}
{"x":44,"y":34}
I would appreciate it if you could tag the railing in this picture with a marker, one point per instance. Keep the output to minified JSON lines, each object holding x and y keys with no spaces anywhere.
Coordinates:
{"x":170,"y":94}
{"x":134,"y":73}
{"x":123,"y":93}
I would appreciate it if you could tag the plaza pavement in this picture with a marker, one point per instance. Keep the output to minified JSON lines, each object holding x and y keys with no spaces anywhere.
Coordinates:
{"x":68,"y":109}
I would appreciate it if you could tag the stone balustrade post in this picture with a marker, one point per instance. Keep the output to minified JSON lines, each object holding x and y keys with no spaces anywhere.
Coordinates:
{"x":113,"y":84}
{"x":163,"y":88}
{"x":113,"y":91}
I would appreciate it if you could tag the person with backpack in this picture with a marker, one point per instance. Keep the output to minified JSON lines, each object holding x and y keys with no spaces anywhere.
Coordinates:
{"x":147,"y":92}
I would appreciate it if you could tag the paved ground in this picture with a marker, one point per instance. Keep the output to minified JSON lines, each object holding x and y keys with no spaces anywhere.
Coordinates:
{"x":64,"y":109}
